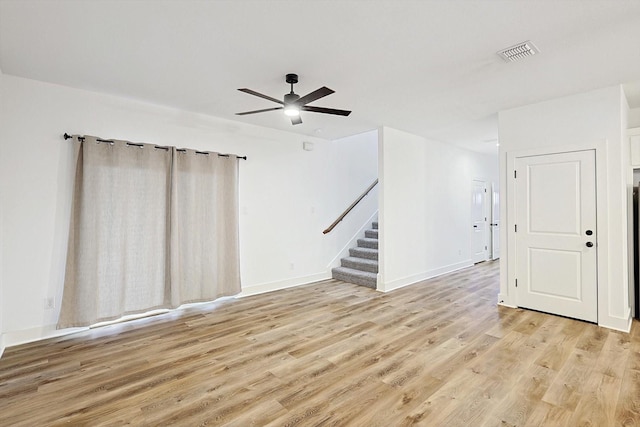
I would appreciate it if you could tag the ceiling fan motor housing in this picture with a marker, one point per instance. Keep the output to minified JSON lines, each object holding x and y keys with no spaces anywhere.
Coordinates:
{"x":290,"y":98}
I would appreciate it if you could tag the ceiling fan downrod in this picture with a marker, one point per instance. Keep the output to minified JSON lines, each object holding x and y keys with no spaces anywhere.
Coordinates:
{"x":291,"y":97}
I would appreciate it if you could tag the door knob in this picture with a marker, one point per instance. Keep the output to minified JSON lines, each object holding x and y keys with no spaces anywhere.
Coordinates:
{"x":475,"y":226}
{"x":589,"y":244}
{"x":589,"y":232}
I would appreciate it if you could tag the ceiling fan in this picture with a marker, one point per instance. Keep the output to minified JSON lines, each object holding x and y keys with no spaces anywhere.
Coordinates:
{"x":292,"y":103}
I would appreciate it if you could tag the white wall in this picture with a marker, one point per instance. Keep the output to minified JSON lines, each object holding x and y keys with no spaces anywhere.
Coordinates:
{"x":634,"y":118}
{"x":287,"y":195}
{"x":425,"y":206}
{"x":595,"y":119}
{"x":359,"y":163}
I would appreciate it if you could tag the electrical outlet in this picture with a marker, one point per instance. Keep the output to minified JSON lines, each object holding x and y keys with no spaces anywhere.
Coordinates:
{"x":49,"y":303}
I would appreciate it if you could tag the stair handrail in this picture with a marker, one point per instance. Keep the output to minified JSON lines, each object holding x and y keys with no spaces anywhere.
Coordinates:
{"x":353,"y":205}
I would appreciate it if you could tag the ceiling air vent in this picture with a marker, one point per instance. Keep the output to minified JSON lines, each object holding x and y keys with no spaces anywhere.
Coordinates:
{"x":519,"y":51}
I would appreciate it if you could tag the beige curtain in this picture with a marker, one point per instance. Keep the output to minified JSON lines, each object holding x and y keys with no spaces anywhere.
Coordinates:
{"x":148,"y":230}
{"x":204,"y":227}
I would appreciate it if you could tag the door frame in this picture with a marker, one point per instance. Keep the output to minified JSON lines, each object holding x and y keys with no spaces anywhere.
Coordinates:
{"x":495,"y":191}
{"x":507,"y":294}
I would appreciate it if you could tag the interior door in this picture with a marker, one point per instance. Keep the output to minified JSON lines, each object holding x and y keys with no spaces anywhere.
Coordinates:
{"x":556,"y":269}
{"x":480,"y":247}
{"x":495,"y":222}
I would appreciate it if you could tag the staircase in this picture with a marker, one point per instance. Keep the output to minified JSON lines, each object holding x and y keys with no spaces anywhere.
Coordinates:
{"x":361,"y":266}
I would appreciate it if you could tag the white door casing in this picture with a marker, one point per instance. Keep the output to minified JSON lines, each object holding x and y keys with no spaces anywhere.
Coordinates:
{"x":479,"y":241}
{"x":556,"y":270}
{"x":495,"y":222}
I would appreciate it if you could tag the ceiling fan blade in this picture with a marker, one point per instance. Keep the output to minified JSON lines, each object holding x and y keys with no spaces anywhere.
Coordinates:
{"x":259,"y":95}
{"x":326,"y":110}
{"x":316,"y":94}
{"x":259,"y":111}
{"x":296,"y":120}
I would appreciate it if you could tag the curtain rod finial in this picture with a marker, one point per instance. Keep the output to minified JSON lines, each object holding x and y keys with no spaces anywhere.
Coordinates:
{"x":67,"y":136}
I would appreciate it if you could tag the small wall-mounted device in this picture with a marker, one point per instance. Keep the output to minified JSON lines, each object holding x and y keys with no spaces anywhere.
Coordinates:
{"x":307,"y":146}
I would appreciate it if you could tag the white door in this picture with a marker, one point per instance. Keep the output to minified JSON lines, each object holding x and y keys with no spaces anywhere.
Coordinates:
{"x":495,"y":222}
{"x":556,"y":234}
{"x":480,"y":245}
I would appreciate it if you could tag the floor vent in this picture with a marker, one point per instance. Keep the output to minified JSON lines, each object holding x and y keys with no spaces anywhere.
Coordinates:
{"x":519,"y":51}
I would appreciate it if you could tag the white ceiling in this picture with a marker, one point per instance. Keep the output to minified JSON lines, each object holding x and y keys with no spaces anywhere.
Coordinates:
{"x":426,"y":67}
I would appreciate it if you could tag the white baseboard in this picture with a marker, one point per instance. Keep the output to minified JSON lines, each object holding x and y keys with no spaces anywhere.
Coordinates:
{"x":505,"y":301}
{"x":2,"y":346}
{"x":283,"y":284}
{"x":410,"y":280}
{"x":622,"y":324}
{"x":24,"y":336}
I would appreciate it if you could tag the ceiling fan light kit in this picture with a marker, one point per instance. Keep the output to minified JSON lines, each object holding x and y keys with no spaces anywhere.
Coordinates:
{"x":291,"y":111}
{"x":292,"y":103}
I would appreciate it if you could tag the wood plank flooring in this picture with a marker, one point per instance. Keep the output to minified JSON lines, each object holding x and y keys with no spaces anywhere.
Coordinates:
{"x":438,"y":353}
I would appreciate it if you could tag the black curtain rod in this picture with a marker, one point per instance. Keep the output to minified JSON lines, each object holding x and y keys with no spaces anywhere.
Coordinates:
{"x":81,"y":138}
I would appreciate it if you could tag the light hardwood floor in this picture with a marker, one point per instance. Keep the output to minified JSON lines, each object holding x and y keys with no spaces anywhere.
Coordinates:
{"x":438,"y":353}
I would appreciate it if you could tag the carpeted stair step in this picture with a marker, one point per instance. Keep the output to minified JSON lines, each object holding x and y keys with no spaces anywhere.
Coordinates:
{"x":361,"y":267}
{"x":367,"y":253}
{"x":361,"y":264}
{"x":368,"y":243}
{"x":363,"y":278}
